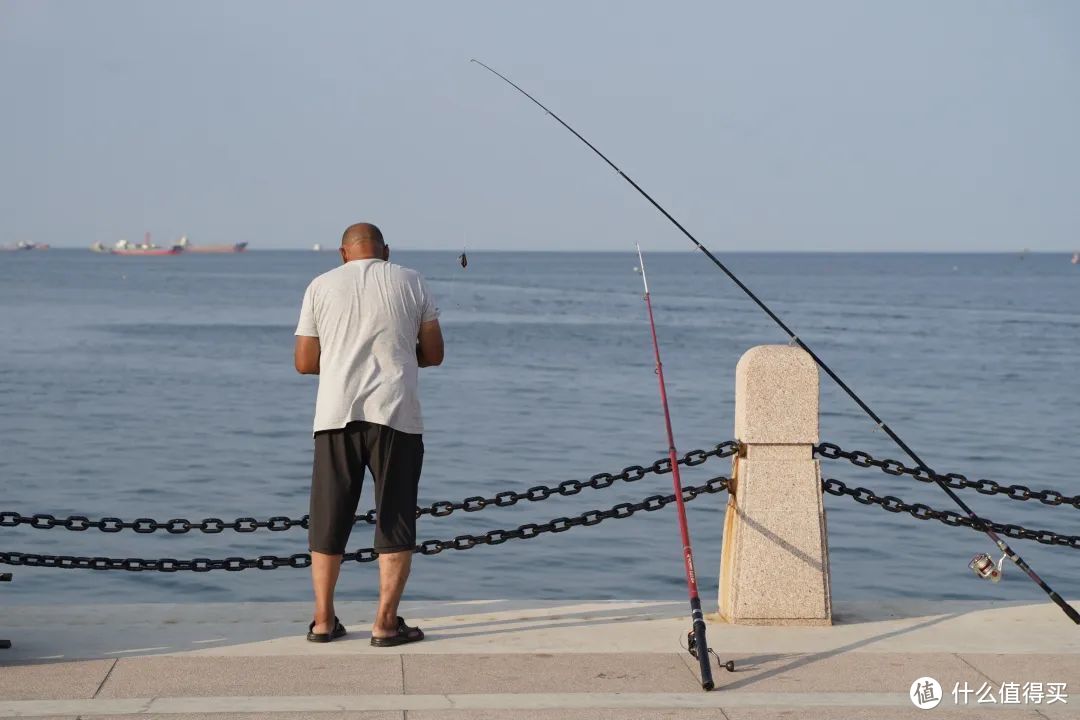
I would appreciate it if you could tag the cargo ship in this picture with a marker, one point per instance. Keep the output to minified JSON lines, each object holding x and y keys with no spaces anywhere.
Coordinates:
{"x":234,"y":248}
{"x":146,"y":247}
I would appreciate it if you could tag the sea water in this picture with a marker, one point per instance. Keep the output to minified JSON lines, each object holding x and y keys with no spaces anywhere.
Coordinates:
{"x":164,"y":388}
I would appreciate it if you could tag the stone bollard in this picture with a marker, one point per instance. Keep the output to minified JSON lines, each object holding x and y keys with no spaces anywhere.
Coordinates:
{"x":774,"y":567}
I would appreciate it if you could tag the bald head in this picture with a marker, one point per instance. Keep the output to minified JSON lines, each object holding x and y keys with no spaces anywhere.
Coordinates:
{"x":362,"y":241}
{"x":362,"y":233}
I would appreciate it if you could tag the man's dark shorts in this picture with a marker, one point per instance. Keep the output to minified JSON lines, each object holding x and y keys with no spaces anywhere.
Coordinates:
{"x":394,"y":458}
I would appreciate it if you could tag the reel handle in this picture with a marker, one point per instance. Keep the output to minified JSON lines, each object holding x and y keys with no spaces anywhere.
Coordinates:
{"x":692,"y":646}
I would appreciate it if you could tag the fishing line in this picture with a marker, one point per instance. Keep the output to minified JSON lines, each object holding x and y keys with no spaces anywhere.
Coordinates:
{"x":796,"y":340}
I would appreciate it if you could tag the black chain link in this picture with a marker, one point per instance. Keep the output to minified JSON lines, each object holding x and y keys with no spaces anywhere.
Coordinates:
{"x":176,"y":526}
{"x":920,"y":511}
{"x":952,"y":480}
{"x":442,"y":508}
{"x":428,"y":547}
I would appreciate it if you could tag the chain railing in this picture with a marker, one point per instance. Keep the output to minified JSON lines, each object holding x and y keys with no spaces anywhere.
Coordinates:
{"x":441,"y":508}
{"x":527,"y":531}
{"x":952,"y":480}
{"x":920,"y":511}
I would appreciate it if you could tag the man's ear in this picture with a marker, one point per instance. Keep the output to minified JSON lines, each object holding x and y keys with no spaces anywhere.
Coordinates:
{"x":386,"y":252}
{"x":344,"y":257}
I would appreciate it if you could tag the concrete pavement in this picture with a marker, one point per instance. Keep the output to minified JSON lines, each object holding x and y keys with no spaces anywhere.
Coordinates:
{"x":497,"y":660}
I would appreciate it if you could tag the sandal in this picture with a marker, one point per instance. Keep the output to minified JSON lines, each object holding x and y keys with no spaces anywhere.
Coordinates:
{"x":338,"y":631}
{"x":405,"y":634}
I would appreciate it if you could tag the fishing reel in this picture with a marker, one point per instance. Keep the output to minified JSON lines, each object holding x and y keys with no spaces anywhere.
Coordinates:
{"x":691,"y":646}
{"x":983,"y":566}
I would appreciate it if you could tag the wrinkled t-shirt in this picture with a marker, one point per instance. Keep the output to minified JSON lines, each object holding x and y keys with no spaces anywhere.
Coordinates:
{"x":367,"y":315}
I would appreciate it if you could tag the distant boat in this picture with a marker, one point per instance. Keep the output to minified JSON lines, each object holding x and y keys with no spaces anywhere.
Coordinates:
{"x":316,"y":247}
{"x":23,"y":245}
{"x":146,"y":247}
{"x":1076,"y":258}
{"x":123,"y":247}
{"x":217,"y":249}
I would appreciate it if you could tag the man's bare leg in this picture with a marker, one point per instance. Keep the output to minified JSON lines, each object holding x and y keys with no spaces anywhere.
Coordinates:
{"x":393,"y":573}
{"x":324,"y":575}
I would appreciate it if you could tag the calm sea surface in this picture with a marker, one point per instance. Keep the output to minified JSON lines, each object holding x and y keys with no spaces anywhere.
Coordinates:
{"x":164,"y":388}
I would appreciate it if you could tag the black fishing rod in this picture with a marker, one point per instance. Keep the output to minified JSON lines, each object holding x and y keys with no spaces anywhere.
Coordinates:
{"x":698,"y":644}
{"x":977,"y":522}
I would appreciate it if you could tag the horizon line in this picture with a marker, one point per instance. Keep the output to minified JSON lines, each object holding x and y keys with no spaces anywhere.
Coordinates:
{"x":873,"y":251}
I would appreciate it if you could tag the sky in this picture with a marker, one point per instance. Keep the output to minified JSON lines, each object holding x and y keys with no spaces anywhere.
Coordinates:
{"x":789,"y":126}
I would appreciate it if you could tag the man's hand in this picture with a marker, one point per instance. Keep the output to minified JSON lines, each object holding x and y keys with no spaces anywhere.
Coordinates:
{"x":429,"y":344}
{"x":306,"y":355}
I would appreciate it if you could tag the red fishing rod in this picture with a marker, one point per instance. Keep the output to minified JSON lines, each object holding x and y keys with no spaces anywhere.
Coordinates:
{"x":698,"y":646}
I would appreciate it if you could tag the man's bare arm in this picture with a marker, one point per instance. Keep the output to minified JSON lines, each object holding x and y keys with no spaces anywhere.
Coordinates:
{"x":306,"y":355}
{"x":429,"y":345}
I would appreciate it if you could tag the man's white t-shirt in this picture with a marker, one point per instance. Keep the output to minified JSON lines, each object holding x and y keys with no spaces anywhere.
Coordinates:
{"x":367,"y":315}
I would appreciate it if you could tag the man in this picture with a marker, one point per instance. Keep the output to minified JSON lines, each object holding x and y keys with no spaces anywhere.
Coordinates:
{"x":365,"y":328}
